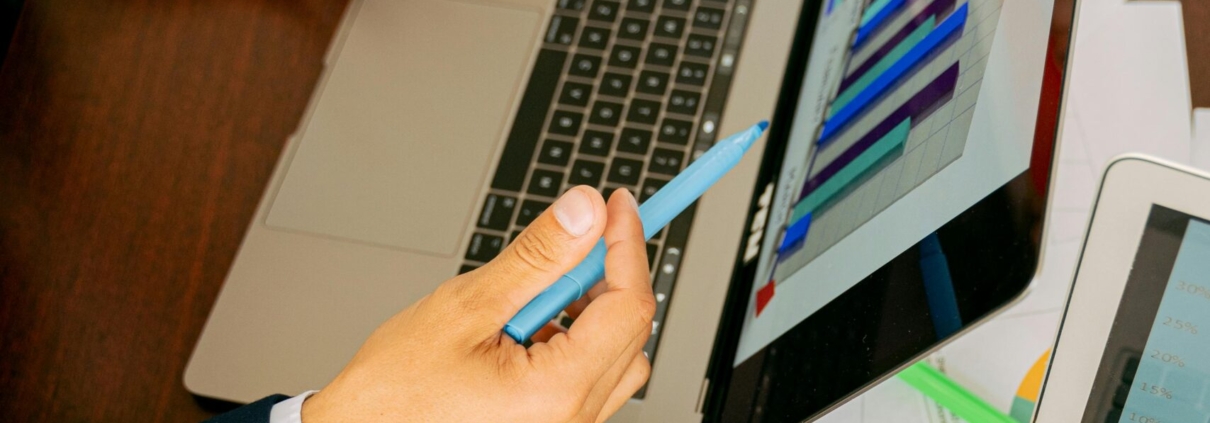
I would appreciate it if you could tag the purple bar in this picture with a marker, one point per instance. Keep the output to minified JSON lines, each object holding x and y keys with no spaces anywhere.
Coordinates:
{"x":917,"y":108}
{"x":938,"y":7}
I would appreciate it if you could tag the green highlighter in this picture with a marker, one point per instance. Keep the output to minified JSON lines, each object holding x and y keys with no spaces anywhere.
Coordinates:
{"x":951,"y":395}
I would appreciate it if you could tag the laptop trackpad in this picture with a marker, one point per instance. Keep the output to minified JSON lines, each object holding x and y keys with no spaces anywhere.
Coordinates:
{"x":407,"y":123}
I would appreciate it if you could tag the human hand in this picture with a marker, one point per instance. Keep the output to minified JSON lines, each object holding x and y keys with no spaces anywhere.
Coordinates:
{"x":445,"y":358}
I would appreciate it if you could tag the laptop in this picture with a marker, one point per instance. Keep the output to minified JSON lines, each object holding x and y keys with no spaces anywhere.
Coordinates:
{"x":440,"y":128}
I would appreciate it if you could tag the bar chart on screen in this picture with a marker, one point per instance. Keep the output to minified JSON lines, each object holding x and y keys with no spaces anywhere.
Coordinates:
{"x":900,"y":114}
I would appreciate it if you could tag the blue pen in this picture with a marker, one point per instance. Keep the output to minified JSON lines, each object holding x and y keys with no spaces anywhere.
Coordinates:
{"x":655,"y":213}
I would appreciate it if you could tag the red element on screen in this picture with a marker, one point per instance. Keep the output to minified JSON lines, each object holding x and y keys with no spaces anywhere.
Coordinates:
{"x":763,"y":296}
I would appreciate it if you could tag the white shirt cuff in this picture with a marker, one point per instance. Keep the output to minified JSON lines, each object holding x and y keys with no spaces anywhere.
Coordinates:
{"x":289,"y":411}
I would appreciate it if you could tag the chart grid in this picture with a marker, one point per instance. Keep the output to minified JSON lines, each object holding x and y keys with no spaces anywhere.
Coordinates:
{"x":934,"y":141}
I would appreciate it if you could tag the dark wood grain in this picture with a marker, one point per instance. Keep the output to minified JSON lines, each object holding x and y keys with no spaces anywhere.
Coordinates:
{"x":136,"y":138}
{"x":1197,"y":47}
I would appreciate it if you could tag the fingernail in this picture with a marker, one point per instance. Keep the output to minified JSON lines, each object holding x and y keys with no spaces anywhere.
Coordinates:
{"x":633,"y":203}
{"x":574,"y":212}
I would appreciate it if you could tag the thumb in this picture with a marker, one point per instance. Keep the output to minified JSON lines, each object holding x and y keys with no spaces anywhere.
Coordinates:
{"x":552,"y":245}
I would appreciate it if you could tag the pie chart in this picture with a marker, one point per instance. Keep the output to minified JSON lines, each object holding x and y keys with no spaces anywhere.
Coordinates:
{"x":1027,"y":392}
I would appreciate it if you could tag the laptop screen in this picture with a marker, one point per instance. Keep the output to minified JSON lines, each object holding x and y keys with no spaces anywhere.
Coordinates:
{"x":902,"y":204}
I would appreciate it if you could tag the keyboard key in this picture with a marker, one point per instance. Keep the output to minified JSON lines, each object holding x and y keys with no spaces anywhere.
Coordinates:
{"x":692,"y":73}
{"x":467,"y":268}
{"x":625,"y":171}
{"x":661,"y":54}
{"x":652,"y":250}
{"x":484,"y":247}
{"x":707,"y":17}
{"x":530,"y":210}
{"x":585,"y":65}
{"x":586,"y":172}
{"x":514,"y":236}
{"x":643,"y":111}
{"x":605,"y":11}
{"x":593,"y":37}
{"x":635,"y":141}
{"x":625,"y":56}
{"x":675,"y":131}
{"x":570,"y":4}
{"x":684,"y":102}
{"x":562,"y":29}
{"x":700,"y":45}
{"x":633,"y":29}
{"x":1119,"y":398}
{"x":615,"y":84}
{"x":650,"y":187}
{"x":667,"y":26}
{"x":497,"y":212}
{"x":575,"y":94}
{"x":555,"y":152}
{"x":665,"y":161}
{"x":643,"y":6}
{"x":596,"y":143}
{"x":676,"y":4}
{"x":605,"y":113}
{"x":531,"y":115}
{"x":652,"y":82}
{"x":1130,"y":369}
{"x":566,"y":123}
{"x":545,"y":183}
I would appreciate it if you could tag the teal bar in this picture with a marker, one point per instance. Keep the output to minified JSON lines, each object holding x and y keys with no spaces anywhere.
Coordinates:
{"x":882,"y":65}
{"x":853,"y":171}
{"x":873,"y":10}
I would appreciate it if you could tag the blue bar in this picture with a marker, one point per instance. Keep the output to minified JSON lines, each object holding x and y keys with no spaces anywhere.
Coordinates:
{"x":842,"y":118}
{"x":936,"y":10}
{"x":868,"y":26}
{"x":795,"y":234}
{"x":846,"y":95}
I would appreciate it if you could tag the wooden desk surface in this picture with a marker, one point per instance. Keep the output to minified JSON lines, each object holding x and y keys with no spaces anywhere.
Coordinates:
{"x":136,"y":138}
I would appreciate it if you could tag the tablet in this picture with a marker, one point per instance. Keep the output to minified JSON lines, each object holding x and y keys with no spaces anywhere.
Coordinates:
{"x":900,"y":201}
{"x":1134,"y":345}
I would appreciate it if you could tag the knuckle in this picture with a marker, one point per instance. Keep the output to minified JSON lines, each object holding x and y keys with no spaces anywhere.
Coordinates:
{"x":536,"y":250}
{"x":646,"y":306}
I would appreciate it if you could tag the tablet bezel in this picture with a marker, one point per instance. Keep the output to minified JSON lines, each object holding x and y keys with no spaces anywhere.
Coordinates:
{"x":1052,"y":97}
{"x":1129,"y":188}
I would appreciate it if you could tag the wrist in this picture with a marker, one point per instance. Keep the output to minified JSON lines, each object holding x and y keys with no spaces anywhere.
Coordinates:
{"x":314,"y":409}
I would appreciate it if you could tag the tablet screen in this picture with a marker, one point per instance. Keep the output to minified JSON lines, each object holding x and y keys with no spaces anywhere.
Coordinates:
{"x":902,"y":195}
{"x":1156,"y":363}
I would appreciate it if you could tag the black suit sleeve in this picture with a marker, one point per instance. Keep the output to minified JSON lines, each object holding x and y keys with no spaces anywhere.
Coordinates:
{"x":257,"y":412}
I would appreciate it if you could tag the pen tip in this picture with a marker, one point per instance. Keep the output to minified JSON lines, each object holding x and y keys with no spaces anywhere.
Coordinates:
{"x":764,"y":124}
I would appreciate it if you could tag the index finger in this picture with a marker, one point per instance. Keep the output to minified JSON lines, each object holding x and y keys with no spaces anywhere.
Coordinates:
{"x":621,"y":315}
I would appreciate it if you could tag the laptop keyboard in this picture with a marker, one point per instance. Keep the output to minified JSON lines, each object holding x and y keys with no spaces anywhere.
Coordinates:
{"x":621,"y":95}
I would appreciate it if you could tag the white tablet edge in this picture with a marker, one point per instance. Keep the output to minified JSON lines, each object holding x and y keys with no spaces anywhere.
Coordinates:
{"x":1131,"y":185}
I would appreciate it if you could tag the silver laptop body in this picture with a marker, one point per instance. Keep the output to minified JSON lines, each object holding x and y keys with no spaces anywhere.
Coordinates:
{"x":377,"y":197}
